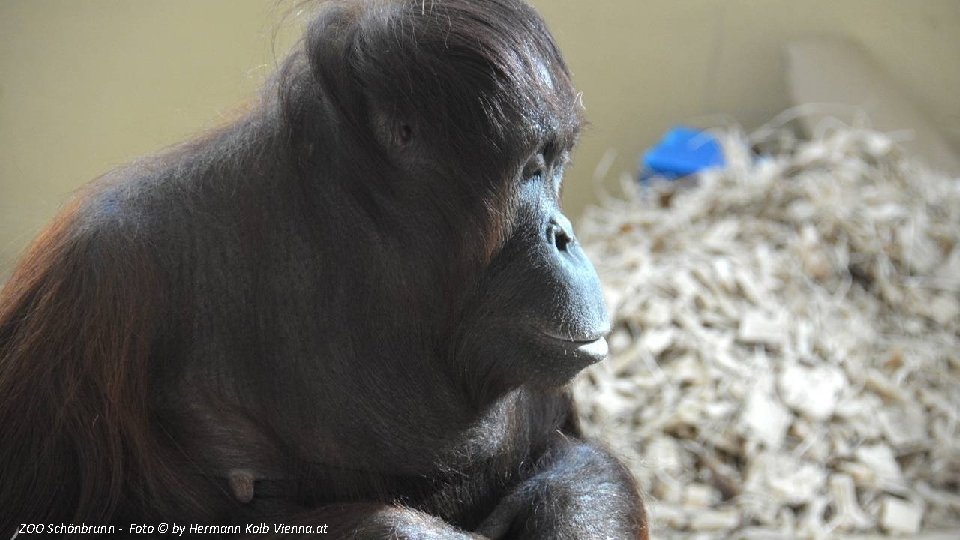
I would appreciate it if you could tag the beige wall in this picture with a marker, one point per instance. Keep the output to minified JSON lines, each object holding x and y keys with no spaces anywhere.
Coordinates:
{"x":88,"y":84}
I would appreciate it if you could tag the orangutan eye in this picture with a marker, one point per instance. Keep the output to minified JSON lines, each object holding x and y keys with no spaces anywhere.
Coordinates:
{"x":535,"y":168}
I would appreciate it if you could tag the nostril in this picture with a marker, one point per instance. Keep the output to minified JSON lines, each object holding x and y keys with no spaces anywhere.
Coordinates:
{"x":558,"y":236}
{"x":563,"y":240}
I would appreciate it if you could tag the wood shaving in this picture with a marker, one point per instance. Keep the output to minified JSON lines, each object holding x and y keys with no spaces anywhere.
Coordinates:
{"x":785,"y":359}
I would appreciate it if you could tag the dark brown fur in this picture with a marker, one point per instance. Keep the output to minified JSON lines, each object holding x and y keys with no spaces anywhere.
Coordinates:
{"x":337,"y":301}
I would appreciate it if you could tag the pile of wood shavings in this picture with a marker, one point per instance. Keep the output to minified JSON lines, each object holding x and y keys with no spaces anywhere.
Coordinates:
{"x":785,"y":360}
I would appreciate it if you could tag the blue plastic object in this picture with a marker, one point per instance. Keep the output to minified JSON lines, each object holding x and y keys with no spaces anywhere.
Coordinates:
{"x":681,"y":152}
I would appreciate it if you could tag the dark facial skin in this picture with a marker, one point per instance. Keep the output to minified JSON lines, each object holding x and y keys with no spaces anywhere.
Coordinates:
{"x":540,"y":295}
{"x":358,"y":306}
